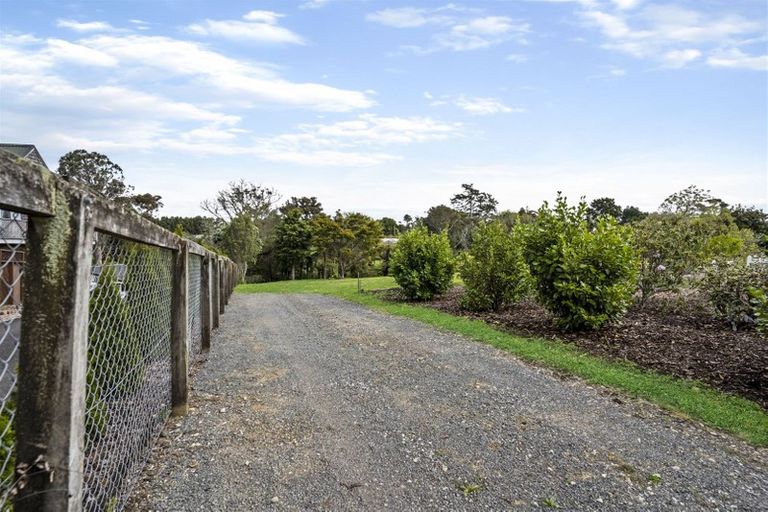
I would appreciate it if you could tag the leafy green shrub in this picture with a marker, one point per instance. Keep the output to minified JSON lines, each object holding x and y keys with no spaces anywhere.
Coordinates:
{"x":422,"y":263}
{"x":586,"y":278}
{"x":727,"y":285}
{"x":493,"y":270}
{"x":9,"y":438}
{"x":759,"y":300}
{"x":113,"y":350}
{"x":674,"y":245}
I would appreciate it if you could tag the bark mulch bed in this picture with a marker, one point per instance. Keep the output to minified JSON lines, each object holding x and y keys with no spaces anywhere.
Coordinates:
{"x":671,"y":336}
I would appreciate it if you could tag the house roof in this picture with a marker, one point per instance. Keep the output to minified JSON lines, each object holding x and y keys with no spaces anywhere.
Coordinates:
{"x":28,"y":151}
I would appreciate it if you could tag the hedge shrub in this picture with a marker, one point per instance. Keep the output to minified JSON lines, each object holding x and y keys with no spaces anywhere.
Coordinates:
{"x":493,"y":270}
{"x":585,"y":278}
{"x":422,"y":263}
{"x":734,"y":289}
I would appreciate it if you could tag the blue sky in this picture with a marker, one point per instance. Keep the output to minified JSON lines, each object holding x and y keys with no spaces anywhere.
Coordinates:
{"x":387,"y":107}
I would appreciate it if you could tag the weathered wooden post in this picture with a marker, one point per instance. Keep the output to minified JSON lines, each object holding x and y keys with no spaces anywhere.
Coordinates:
{"x":53,"y":354}
{"x":179,"y":354}
{"x":205,"y":303}
{"x":227,"y":280}
{"x":222,"y":286}
{"x":215,"y":292}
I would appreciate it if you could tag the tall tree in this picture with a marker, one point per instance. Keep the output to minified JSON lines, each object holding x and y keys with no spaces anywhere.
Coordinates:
{"x":632,"y":214}
{"x":604,"y":206}
{"x":242,"y":198}
{"x":147,"y":205}
{"x":240,"y":240}
{"x":96,"y":171}
{"x":474,"y":203}
{"x":104,"y":177}
{"x":693,"y":201}
{"x":458,"y":225}
{"x":327,"y":237}
{"x":360,"y":236}
{"x":293,"y":241}
{"x":308,"y":207}
{"x":389,"y":226}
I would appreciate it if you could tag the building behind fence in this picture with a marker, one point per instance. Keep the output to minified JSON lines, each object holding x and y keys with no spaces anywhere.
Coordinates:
{"x":101,"y":315}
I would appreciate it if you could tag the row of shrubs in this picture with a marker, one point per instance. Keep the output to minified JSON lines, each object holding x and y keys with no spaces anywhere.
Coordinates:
{"x":587,"y":273}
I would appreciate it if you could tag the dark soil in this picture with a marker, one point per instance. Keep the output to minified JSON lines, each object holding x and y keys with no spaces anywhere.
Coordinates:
{"x":669,"y":335}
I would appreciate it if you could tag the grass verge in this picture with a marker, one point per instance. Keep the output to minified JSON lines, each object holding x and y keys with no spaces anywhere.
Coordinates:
{"x":698,"y":401}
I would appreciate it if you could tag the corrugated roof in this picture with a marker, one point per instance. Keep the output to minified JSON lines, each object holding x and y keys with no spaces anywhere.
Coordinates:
{"x":28,"y":151}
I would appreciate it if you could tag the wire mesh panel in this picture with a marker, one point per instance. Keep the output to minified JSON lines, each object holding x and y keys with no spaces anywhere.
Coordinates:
{"x":194,"y":323}
{"x":13,"y":234}
{"x":128,"y":395}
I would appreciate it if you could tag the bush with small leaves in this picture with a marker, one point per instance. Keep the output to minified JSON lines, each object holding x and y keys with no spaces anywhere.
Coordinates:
{"x":422,"y":263}
{"x":731,"y":287}
{"x":585,"y":277}
{"x":759,"y":300}
{"x":493,"y":270}
{"x":673,"y":246}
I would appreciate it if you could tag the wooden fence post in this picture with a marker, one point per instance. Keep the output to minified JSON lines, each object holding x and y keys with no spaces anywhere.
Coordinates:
{"x":222,"y":286}
{"x":227,"y":281}
{"x":205,"y":304}
{"x":53,"y":357}
{"x":179,"y":311}
{"x":215,"y":291}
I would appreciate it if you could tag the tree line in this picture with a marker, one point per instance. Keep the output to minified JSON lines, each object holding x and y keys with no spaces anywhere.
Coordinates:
{"x":271,"y":239}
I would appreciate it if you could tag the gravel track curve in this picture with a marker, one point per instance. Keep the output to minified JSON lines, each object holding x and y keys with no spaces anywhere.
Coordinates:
{"x":308,"y":402}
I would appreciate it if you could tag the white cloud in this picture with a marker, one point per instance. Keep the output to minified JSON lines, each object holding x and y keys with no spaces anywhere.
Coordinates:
{"x":517,"y":58}
{"x":617,"y":71}
{"x":354,"y":142}
{"x":110,"y":107}
{"x":485,"y":106}
{"x":680,"y":58}
{"x":672,"y":35}
{"x":61,"y":50}
{"x":407,"y":17}
{"x":87,"y":26}
{"x":460,"y":29}
{"x":240,"y":81}
{"x":737,"y":59}
{"x":256,"y":26}
{"x":483,"y":32}
{"x":478,"y":106}
{"x":626,"y":4}
{"x":314,"y":4}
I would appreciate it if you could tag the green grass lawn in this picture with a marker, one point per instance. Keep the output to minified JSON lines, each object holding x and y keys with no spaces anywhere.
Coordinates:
{"x":733,"y":414}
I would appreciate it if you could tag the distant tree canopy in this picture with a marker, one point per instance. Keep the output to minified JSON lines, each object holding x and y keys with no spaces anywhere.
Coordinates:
{"x":474,"y":203}
{"x":604,"y":206}
{"x":389,"y":226}
{"x":240,"y":240}
{"x":632,"y":214}
{"x":242,"y":198}
{"x":692,"y":201}
{"x":293,"y":240}
{"x":457,"y":225}
{"x":754,"y":219}
{"x":308,"y":207}
{"x":95,"y":171}
{"x":147,"y":205}
{"x":101,"y":175}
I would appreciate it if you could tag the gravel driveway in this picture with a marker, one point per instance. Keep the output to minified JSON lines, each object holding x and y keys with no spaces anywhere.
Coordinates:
{"x":309,"y":402}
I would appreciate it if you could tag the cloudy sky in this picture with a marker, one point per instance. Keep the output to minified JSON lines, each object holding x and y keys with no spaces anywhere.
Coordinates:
{"x":387,"y":107}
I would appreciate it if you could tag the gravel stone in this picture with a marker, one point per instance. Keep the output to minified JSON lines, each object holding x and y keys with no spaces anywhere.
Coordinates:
{"x":308,"y":402}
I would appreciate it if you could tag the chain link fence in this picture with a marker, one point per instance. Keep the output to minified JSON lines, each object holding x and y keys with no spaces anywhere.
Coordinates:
{"x":128,"y":395}
{"x":194,"y":314}
{"x":13,"y":233}
{"x":137,"y":332}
